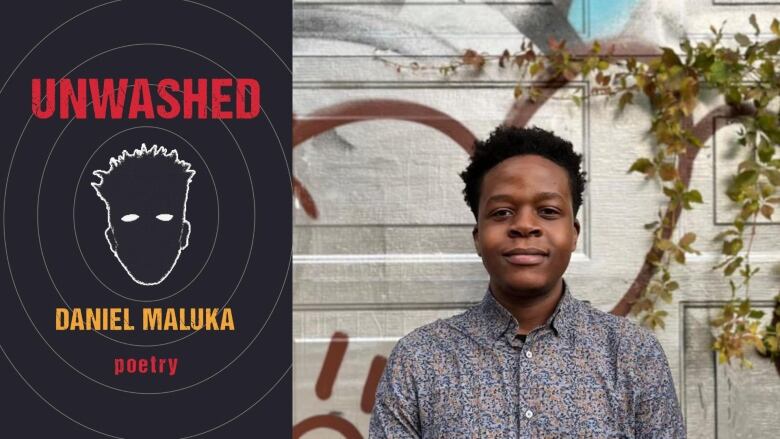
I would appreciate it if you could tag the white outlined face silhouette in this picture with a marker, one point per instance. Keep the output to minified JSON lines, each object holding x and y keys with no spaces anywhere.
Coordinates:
{"x":145,"y":193}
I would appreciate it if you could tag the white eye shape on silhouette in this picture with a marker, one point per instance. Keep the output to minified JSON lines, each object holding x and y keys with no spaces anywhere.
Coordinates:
{"x":129,"y":218}
{"x":164,"y":217}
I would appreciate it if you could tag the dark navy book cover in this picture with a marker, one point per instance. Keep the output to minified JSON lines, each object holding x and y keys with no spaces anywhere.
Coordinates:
{"x":146,"y":219}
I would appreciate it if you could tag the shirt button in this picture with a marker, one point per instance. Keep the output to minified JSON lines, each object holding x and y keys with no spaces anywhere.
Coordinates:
{"x":528,"y":354}
{"x":529,"y":414}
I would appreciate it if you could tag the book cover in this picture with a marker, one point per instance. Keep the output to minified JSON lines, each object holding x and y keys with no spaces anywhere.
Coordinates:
{"x":146,"y":219}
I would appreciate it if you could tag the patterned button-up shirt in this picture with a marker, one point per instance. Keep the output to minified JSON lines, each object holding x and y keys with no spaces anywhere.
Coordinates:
{"x":584,"y":373}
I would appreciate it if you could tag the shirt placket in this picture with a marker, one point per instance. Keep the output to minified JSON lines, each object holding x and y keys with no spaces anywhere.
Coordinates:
{"x":524,"y":411}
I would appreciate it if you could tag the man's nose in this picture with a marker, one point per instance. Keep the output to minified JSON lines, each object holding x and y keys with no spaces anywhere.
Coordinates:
{"x":525,"y":223}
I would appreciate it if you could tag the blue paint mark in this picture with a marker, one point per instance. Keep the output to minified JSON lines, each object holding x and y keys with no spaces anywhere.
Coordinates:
{"x":594,"y":19}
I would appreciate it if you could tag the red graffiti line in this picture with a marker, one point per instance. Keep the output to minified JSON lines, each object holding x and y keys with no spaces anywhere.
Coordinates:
{"x":334,"y":357}
{"x":372,"y":380}
{"x":331,"y":422}
{"x":328,"y":118}
{"x":331,"y":365}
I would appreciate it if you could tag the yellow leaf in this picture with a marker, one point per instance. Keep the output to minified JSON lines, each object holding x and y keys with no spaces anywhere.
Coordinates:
{"x":535,"y":68}
{"x":759,"y":344}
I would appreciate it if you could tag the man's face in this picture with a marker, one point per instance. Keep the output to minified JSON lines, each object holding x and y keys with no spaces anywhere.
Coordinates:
{"x":148,"y":230}
{"x":525,"y":206}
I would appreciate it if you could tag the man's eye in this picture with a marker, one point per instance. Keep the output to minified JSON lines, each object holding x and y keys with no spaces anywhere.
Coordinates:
{"x":129,"y":218}
{"x":164,"y":217}
{"x":501,"y":213}
{"x":549,"y":211}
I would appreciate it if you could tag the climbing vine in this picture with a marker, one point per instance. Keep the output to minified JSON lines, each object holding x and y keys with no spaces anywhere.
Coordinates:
{"x":674,"y":83}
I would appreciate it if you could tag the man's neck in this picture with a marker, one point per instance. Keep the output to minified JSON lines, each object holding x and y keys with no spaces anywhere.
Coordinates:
{"x":531,"y":312}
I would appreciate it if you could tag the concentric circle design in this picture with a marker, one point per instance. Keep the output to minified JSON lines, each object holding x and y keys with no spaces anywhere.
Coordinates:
{"x":217,"y":365}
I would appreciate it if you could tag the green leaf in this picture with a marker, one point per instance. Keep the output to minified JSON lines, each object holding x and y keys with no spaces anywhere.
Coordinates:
{"x":724,"y":234}
{"x":669,"y":58}
{"x":767,"y":190}
{"x":768,"y":70}
{"x":739,"y":224}
{"x":732,"y":247}
{"x":673,"y":285}
{"x":744,"y":308}
{"x":773,"y":175}
{"x":748,"y":209}
{"x":775,"y":27}
{"x":733,"y":96}
{"x":732,"y":267}
{"x":670,"y":192}
{"x":643,"y":165}
{"x":693,"y":196}
{"x":718,"y":71}
{"x":742,"y":39}
{"x":765,"y":151}
{"x":772,"y":47}
{"x":746,"y":178}
{"x":756,"y":314}
{"x":747,"y":164}
{"x":518,"y":91}
{"x":767,"y":122}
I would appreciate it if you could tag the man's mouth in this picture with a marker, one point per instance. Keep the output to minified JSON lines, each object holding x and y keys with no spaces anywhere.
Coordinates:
{"x":525,"y":256}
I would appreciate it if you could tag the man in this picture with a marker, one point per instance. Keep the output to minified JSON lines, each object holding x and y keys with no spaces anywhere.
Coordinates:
{"x":145,"y":194}
{"x":530,"y":360}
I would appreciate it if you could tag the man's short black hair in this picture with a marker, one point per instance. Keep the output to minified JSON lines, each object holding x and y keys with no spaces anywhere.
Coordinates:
{"x":506,"y":142}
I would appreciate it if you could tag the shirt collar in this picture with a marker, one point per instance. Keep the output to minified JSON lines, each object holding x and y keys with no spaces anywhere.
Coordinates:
{"x":497,"y":320}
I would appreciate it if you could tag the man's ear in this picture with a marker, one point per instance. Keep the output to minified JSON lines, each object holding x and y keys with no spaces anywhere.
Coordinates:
{"x":184,"y":238}
{"x":475,"y":235}
{"x":576,"y":236}
{"x":111,"y":239}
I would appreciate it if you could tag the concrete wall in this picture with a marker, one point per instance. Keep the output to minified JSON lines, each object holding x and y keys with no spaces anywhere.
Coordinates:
{"x":391,"y":248}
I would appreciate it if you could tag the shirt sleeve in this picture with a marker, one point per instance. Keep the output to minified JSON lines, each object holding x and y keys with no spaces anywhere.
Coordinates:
{"x":396,"y":410}
{"x":658,"y":412}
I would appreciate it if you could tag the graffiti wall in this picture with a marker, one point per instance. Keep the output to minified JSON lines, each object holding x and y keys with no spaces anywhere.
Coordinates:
{"x":382,"y":240}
